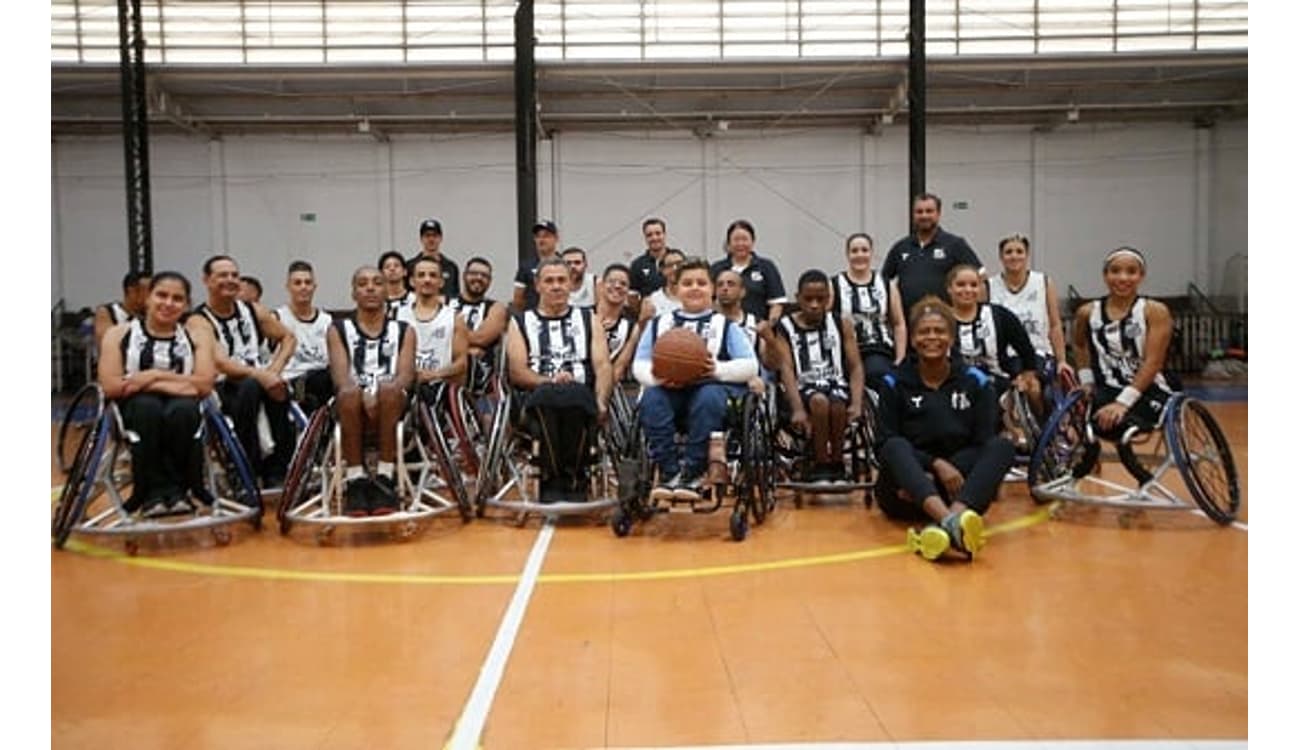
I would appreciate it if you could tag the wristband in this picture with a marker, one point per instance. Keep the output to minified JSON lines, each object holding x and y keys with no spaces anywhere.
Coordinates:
{"x":1128,"y":396}
{"x":1085,"y":376}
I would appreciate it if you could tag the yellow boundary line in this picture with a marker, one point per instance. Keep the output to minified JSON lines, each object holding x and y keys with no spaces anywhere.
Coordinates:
{"x":283,"y":574}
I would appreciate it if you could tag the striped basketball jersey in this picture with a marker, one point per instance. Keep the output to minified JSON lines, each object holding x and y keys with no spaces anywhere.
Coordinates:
{"x":474,"y":313}
{"x":867,"y":306}
{"x":1029,"y":303}
{"x":1117,"y":346}
{"x":708,"y":325}
{"x":433,"y":337}
{"x":239,"y":334}
{"x":141,"y":352}
{"x":312,"y":351}
{"x":117,"y":312}
{"x":371,"y":359}
{"x":397,"y":304}
{"x":616,"y":336}
{"x":559,"y":344}
{"x":978,"y":341}
{"x":818,"y":352}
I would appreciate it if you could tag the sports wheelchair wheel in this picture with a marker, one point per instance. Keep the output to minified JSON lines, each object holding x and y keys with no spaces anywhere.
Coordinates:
{"x":83,"y":413}
{"x":1062,"y":444}
{"x":495,"y":469}
{"x":436,"y":442}
{"x":305,"y":470}
{"x":1204,"y":459}
{"x":229,"y":474}
{"x":465,"y":427}
{"x":82,"y":482}
{"x":755,"y":485}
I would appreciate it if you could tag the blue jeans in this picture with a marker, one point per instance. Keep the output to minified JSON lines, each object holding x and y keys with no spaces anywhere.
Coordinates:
{"x":701,"y":409}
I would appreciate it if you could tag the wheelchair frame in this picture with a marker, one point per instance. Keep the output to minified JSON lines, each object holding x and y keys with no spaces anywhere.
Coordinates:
{"x":507,"y":464}
{"x":313,"y":490}
{"x":1055,"y":473}
{"x":95,"y":474}
{"x":751,"y":467}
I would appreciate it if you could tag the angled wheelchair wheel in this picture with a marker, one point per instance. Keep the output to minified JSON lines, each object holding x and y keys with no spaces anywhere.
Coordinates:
{"x":756,"y":464}
{"x":84,"y":411}
{"x":80,"y":487}
{"x":230,"y":476}
{"x":1205,"y":460}
{"x":435,"y":442}
{"x":303,"y":476}
{"x":1062,"y":444}
{"x":493,"y":471}
{"x":465,"y":428}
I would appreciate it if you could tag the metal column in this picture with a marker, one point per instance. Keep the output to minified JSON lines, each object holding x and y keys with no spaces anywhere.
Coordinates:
{"x":915,"y":104}
{"x":135,"y":135}
{"x":525,"y":129}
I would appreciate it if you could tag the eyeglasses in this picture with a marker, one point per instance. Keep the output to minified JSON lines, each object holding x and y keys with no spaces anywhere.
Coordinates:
{"x":480,"y":274}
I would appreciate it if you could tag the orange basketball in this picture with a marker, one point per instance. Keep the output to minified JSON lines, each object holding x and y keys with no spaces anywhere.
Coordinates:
{"x":680,"y":356}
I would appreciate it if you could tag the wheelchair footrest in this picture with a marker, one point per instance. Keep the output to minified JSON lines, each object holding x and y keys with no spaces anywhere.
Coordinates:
{"x":825,"y":488}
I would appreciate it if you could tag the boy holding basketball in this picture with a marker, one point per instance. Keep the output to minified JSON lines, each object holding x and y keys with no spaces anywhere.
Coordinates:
{"x":688,"y":380}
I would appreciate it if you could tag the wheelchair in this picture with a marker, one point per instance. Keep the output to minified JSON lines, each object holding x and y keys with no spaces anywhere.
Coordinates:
{"x":1023,"y":425}
{"x":509,"y":475}
{"x":794,"y":458}
{"x":428,"y":480}
{"x":1186,"y":454}
{"x":92,"y":503}
{"x":746,"y":478}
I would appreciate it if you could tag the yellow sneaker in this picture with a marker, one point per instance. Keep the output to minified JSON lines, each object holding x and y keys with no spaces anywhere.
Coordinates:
{"x":930,"y":542}
{"x":967,"y":531}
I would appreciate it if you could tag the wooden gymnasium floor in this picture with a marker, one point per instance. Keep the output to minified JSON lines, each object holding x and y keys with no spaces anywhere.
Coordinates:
{"x":816,"y":629}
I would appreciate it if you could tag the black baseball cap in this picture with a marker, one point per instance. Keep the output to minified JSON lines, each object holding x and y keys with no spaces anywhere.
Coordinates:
{"x":431,"y":225}
{"x":548,"y":225}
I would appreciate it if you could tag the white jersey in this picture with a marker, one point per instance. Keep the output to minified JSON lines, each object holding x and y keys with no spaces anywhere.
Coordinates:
{"x":1029,"y":304}
{"x":141,"y":352}
{"x":818,"y":352}
{"x":663,"y":303}
{"x":585,"y":295}
{"x":867,"y":307}
{"x":239,"y":334}
{"x":312,"y":351}
{"x":433,"y":337}
{"x":559,"y":344}
{"x":1117,"y":346}
{"x":371,"y":360}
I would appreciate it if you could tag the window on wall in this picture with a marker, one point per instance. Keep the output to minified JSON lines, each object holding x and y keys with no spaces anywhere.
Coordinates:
{"x":386,"y":31}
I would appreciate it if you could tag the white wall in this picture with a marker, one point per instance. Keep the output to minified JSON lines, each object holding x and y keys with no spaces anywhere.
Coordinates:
{"x":1175,"y":192}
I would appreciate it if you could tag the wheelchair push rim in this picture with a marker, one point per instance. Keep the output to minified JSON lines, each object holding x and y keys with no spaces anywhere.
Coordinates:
{"x":76,"y":423}
{"x":1061,"y":444}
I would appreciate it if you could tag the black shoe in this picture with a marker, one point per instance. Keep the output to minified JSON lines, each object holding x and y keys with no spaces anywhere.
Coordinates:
{"x":383,"y":496}
{"x":201,"y":495}
{"x":688,"y":485}
{"x":667,"y":487}
{"x":356,"y":497}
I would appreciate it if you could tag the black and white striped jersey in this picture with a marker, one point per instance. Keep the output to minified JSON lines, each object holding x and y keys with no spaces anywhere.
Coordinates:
{"x":818,"y":352}
{"x":867,"y":306}
{"x":239,"y":334}
{"x":312,"y":351}
{"x":371,"y":360}
{"x":141,"y":352}
{"x":559,"y":344}
{"x":616,"y":336}
{"x":1117,"y":346}
{"x":710,"y":326}
{"x":474,"y":313}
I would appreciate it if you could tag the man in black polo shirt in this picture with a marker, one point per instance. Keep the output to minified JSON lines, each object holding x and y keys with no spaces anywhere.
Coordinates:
{"x":646,"y":279}
{"x":921,"y":261}
{"x":431,"y":247}
{"x":764,"y":292}
{"x":546,"y":238}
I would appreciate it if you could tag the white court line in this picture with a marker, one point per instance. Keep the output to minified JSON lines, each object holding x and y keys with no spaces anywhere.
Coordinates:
{"x":984,"y":745}
{"x":469,"y":728}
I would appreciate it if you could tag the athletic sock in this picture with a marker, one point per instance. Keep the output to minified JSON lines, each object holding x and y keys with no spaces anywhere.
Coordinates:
{"x":385,"y":469}
{"x":354,"y":472}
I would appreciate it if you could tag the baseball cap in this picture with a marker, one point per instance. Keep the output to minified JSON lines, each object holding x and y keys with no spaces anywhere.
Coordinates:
{"x":431,"y":225}
{"x":548,"y":225}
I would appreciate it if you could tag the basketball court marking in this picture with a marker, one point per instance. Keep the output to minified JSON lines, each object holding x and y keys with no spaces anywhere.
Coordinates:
{"x":289,"y":574}
{"x":469,"y":727}
{"x":1190,"y":744}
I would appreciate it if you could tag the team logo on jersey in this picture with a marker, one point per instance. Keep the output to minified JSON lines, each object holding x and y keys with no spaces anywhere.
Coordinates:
{"x":1132,"y":330}
{"x":440,"y":333}
{"x":916,"y":401}
{"x":756,"y":275}
{"x":959,"y":401}
{"x":906,"y":256}
{"x":939,"y":254}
